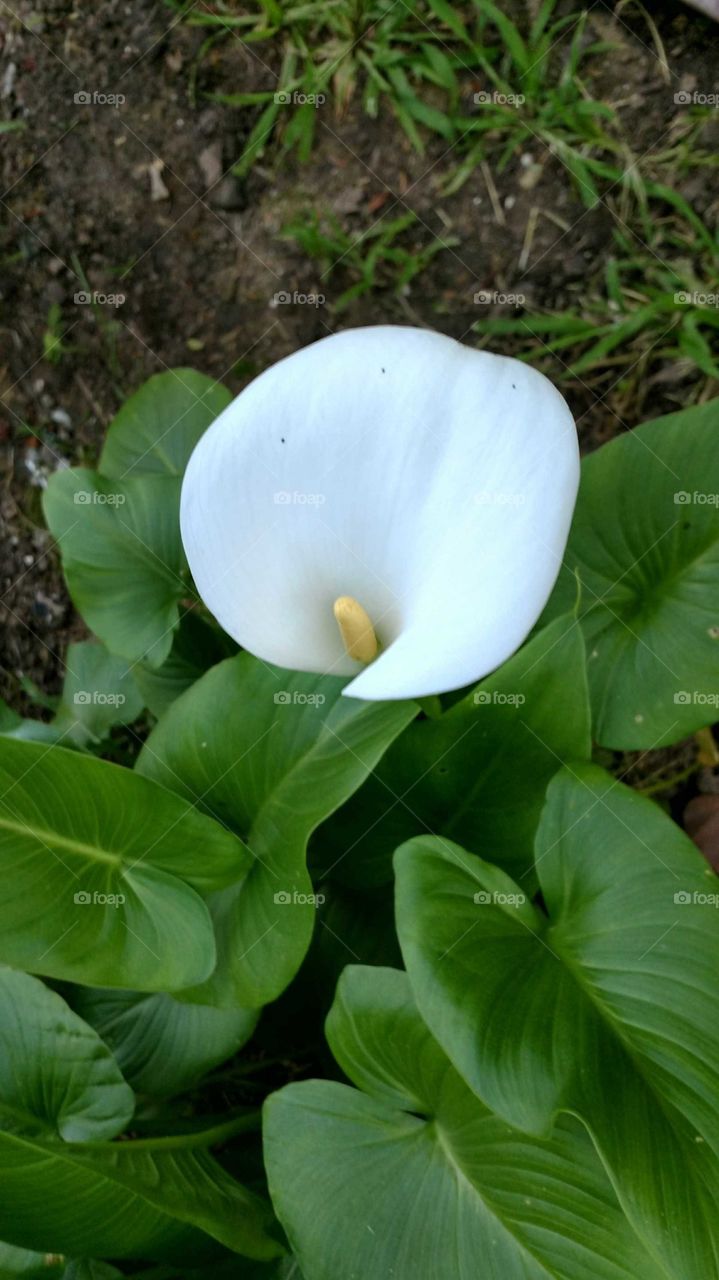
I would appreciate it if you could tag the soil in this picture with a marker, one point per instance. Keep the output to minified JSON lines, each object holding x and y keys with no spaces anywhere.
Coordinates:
{"x":198,"y":269}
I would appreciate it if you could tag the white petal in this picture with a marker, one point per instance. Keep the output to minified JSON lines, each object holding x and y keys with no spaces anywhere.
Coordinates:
{"x":433,"y":483}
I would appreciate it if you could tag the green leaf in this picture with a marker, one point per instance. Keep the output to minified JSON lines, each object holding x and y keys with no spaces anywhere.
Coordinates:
{"x":101,"y":871}
{"x":29,"y":1265}
{"x":606,"y":1006}
{"x":67,"y":1190}
{"x":271,"y":753}
{"x":122,"y":556}
{"x":126,"y":1199}
{"x":162,"y":1046}
{"x":196,"y":646}
{"x":14,"y":726}
{"x":645,"y":544}
{"x":478,"y":773}
{"x":57,"y":1078}
{"x":99,"y":692}
{"x":415,"y":1177}
{"x":90,"y":1269}
{"x":159,"y":426}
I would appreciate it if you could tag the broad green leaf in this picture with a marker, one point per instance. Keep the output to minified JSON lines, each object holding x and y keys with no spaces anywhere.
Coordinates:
{"x":607,"y":1005}
{"x":163,"y":1046}
{"x":56,"y":1076}
{"x":478,"y":773}
{"x":414,"y":1177}
{"x":159,"y":426}
{"x":67,"y":1190}
{"x":271,"y":753}
{"x":101,"y":872}
{"x":196,"y":646}
{"x":645,"y":546}
{"x":126,"y":1199}
{"x":29,"y":1265}
{"x":99,"y":692}
{"x":14,"y":726}
{"x":122,"y":556}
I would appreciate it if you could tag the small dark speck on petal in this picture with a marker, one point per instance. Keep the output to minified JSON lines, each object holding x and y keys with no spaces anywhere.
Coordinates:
{"x":384,"y":371}
{"x":514,"y":386}
{"x":282,"y":439}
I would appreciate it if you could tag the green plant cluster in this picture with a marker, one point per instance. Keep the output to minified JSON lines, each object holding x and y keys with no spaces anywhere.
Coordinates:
{"x":521,"y":1080}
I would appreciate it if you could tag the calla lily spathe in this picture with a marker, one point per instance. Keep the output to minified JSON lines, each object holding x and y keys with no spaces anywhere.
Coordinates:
{"x":430,"y":484}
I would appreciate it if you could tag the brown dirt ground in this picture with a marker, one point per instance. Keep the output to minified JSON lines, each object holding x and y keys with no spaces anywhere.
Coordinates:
{"x":199,"y":273}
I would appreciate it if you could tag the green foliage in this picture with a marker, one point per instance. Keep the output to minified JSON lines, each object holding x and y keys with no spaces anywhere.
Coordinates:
{"x":270,"y":753}
{"x":536,"y":1097}
{"x":648,"y":606}
{"x":65,"y":1186}
{"x":123,"y":562}
{"x":424,"y":1179}
{"x":86,"y":896}
{"x":457,"y":775}
{"x":53,"y":345}
{"x":162,"y":1046}
{"x":156,"y":430}
{"x":599,"y":1006}
{"x":463,"y":72}
{"x":376,"y":257}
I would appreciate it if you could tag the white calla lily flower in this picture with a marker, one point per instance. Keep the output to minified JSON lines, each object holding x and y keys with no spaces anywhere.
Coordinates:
{"x":385,"y":504}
